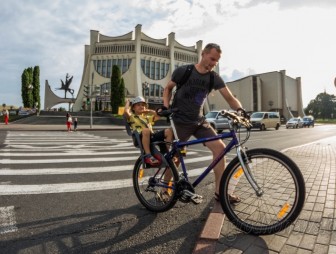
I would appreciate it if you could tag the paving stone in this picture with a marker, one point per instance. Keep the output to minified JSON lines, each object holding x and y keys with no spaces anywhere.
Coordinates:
{"x":304,"y":251}
{"x":316,"y":216}
{"x":324,"y":237}
{"x":277,"y":243}
{"x":295,"y":239}
{"x":313,"y":228}
{"x":308,"y":242}
{"x":320,"y":249}
{"x":332,"y":249}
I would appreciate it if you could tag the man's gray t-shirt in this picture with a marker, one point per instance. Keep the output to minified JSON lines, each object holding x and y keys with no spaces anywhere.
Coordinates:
{"x":191,"y":96}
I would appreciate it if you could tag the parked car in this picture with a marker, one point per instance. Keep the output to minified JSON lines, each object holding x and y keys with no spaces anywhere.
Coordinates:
{"x":295,"y":122}
{"x":308,"y":121}
{"x":264,"y":120}
{"x":217,"y":120}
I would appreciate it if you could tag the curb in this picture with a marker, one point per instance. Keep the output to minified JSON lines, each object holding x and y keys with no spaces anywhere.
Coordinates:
{"x":206,"y":243}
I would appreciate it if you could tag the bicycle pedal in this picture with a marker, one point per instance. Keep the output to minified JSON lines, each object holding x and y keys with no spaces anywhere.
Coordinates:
{"x":196,"y":199}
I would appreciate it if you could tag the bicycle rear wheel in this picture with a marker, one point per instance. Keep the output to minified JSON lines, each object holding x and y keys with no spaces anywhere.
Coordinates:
{"x":283,"y":192}
{"x":155,"y":186}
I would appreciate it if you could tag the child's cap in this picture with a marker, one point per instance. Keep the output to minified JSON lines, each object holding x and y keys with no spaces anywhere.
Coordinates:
{"x":138,"y":99}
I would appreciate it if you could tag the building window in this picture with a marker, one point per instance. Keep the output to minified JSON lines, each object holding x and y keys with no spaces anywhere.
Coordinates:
{"x":104,"y":68}
{"x":99,"y":66}
{"x":109,"y":68}
{"x":154,"y":70}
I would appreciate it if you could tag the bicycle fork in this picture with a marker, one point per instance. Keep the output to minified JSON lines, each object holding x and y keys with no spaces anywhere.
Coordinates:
{"x":242,"y":157}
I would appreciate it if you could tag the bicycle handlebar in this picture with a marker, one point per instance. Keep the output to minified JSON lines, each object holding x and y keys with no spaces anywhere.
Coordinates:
{"x":166,"y":112}
{"x":244,"y":120}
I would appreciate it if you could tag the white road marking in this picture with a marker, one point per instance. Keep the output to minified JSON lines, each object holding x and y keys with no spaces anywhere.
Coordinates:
{"x":16,"y":146}
{"x":73,"y":187}
{"x":54,"y":161}
{"x":81,"y":170}
{"x":67,"y":153}
{"x":7,"y":220}
{"x":64,"y":187}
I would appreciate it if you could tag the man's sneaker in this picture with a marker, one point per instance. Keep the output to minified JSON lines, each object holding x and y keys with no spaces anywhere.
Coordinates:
{"x":163,"y":196}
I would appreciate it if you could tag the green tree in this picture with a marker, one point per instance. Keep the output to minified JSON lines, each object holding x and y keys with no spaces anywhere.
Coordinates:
{"x":122,"y":93}
{"x":30,"y":87}
{"x":36,"y":87}
{"x":26,"y":92}
{"x":323,"y":106}
{"x":115,"y":88}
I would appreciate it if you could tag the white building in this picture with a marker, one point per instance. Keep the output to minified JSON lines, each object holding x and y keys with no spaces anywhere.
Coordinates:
{"x":147,"y":65}
{"x":271,"y":91}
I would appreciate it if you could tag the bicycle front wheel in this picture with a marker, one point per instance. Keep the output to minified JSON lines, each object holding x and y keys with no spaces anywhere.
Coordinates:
{"x":155,"y":186}
{"x":281,"y":198}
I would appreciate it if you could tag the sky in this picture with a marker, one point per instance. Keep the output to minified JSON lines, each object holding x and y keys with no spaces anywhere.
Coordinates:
{"x":256,"y":36}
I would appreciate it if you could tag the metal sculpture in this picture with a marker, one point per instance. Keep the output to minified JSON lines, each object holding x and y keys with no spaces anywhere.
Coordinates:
{"x":65,"y":86}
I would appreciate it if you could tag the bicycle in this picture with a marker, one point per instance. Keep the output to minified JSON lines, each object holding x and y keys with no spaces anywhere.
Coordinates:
{"x":270,"y":184}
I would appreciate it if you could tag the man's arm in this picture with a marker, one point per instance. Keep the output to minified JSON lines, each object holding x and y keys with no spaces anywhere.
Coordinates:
{"x":167,"y":93}
{"x":231,"y":100}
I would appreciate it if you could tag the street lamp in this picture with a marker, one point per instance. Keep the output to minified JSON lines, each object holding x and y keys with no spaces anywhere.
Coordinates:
{"x":145,"y":90}
{"x":106,"y":92}
{"x":91,"y":92}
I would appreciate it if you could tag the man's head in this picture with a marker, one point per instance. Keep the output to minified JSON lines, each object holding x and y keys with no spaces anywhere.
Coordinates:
{"x":210,"y":56}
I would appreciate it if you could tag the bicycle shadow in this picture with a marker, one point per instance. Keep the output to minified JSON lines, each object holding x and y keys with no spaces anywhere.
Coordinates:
{"x":247,"y":244}
{"x":107,"y":231}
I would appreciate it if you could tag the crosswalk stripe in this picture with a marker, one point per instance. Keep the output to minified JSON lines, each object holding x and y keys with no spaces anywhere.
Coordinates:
{"x":74,"y":187}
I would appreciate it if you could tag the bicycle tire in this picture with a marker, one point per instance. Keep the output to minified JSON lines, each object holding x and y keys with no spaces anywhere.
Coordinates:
{"x":283,"y":192}
{"x":149,"y":186}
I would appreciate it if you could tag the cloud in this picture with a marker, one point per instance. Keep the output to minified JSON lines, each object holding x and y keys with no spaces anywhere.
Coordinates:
{"x":287,"y":4}
{"x":259,"y":35}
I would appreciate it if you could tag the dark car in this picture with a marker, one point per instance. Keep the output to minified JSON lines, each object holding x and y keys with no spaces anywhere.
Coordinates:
{"x":308,"y":121}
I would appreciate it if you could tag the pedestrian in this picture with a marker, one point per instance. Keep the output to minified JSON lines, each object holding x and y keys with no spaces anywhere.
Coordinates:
{"x":68,"y":121}
{"x":141,"y":119}
{"x":189,"y":100}
{"x":6,"y":115}
{"x":75,"y":123}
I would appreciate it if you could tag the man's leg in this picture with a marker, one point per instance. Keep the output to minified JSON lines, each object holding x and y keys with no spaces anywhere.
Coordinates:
{"x":216,"y":147}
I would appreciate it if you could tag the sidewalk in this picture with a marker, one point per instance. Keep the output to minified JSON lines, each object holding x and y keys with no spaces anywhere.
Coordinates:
{"x":313,"y":232}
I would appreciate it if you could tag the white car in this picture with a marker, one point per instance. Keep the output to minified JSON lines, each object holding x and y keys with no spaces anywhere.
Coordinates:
{"x":217,"y":120}
{"x":295,"y":122}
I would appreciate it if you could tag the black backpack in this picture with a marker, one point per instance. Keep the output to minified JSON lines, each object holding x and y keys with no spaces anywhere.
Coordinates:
{"x":185,"y":78}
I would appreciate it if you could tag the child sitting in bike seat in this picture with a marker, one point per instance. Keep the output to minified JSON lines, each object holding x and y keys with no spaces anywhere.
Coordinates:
{"x":141,"y":119}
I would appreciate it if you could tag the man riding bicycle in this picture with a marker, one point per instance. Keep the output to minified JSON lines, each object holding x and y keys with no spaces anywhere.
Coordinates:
{"x":190,"y":99}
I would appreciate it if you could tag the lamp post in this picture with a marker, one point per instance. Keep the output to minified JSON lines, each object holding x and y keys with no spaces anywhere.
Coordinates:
{"x":91,"y":88}
{"x":105,"y":99}
{"x":145,"y":88}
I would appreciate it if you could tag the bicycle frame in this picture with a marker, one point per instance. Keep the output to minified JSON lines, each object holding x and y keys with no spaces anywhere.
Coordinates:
{"x":234,"y":142}
{"x":177,"y":145}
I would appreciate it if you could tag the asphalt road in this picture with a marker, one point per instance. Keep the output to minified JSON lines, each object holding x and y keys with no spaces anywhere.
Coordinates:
{"x":72,"y":193}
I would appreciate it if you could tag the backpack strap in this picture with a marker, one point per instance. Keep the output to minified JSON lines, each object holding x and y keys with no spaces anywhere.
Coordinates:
{"x":185,"y":76}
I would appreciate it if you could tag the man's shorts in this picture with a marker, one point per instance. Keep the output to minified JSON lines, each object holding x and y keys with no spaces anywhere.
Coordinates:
{"x":185,"y":131}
